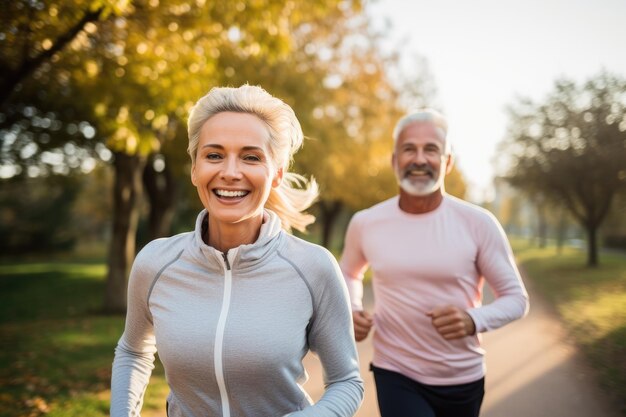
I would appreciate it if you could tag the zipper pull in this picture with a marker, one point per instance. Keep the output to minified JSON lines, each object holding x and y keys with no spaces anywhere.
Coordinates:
{"x":225,"y":256}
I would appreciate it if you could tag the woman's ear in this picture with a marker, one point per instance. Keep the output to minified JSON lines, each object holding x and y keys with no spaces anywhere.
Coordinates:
{"x":193,"y":174}
{"x":278,"y":178}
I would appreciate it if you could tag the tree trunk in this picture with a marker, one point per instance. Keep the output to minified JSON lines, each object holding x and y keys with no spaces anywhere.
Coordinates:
{"x":126,"y":193}
{"x":330,"y":212}
{"x":161,"y":191}
{"x":560,"y":232}
{"x":592,"y":246}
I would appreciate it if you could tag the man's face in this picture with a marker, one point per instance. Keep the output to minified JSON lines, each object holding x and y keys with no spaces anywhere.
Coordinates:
{"x":420,"y":161}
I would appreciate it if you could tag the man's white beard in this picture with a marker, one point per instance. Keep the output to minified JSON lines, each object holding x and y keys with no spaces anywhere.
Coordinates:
{"x":417,"y":189}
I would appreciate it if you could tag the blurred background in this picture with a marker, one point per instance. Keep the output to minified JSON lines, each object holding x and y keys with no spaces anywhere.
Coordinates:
{"x":94,"y":96}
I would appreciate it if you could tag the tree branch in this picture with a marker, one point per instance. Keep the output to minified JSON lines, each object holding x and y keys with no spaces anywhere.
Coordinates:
{"x":29,"y":65}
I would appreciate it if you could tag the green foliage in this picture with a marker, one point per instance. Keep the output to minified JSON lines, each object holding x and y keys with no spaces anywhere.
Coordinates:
{"x":34,"y":214}
{"x":52,"y":214}
{"x":591,"y":302}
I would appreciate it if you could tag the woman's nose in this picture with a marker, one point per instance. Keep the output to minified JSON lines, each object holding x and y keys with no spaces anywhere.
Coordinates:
{"x":231,"y":169}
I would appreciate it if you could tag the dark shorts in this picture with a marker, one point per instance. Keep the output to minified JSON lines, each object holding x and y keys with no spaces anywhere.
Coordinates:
{"x":399,"y":396}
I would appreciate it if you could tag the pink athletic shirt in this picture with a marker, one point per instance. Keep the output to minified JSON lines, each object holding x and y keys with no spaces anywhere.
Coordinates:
{"x":423,"y":261}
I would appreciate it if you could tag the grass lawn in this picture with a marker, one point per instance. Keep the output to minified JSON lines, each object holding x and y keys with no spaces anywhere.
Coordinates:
{"x":56,"y":348}
{"x":591,"y":302}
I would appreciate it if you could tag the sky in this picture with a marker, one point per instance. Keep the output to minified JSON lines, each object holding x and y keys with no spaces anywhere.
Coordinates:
{"x":484,"y":54}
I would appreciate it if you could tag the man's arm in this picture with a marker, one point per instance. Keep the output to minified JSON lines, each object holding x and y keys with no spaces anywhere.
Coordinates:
{"x":497,"y":265}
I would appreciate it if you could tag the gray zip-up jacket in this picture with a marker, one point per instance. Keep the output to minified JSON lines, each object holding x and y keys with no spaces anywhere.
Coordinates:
{"x":231,"y":330}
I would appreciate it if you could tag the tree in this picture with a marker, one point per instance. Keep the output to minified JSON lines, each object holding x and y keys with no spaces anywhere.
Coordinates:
{"x":571,"y":149}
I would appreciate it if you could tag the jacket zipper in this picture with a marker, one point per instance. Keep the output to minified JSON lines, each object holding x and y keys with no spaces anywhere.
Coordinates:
{"x":218,"y":358}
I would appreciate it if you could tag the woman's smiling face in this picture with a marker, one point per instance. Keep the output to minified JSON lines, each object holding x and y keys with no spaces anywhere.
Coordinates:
{"x":233,"y":169}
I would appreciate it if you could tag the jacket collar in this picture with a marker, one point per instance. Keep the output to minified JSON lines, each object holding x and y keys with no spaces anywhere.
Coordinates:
{"x":247,"y":256}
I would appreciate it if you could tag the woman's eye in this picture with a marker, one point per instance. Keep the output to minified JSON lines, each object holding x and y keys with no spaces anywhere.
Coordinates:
{"x":252,"y":158}
{"x":213,"y":156}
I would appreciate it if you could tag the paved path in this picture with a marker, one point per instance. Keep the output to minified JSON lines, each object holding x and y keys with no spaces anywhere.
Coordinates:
{"x":533,"y":371}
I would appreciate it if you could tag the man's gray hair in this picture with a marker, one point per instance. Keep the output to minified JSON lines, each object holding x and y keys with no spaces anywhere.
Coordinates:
{"x":424,"y":115}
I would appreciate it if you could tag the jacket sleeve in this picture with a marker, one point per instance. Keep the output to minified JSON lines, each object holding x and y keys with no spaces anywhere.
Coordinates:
{"x":134,"y":354}
{"x":353,"y":262}
{"x":331,"y":336}
{"x":496,"y":264}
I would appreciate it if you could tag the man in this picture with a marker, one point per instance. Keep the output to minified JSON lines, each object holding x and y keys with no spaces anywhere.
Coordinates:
{"x":430,"y":254}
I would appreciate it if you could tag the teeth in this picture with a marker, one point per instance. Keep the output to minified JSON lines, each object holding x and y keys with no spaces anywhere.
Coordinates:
{"x":227,"y":193}
{"x":416,"y":172}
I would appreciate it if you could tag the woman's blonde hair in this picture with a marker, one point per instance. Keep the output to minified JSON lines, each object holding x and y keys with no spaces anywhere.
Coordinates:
{"x":294,"y":194}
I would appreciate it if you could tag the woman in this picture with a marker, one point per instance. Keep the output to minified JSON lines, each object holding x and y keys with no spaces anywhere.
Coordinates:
{"x":235,"y":305}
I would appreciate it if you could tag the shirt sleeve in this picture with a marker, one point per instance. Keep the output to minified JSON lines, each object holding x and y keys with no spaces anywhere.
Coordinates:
{"x":331,"y":337}
{"x":496,"y":264}
{"x":353,"y":262}
{"x":134,"y":354}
